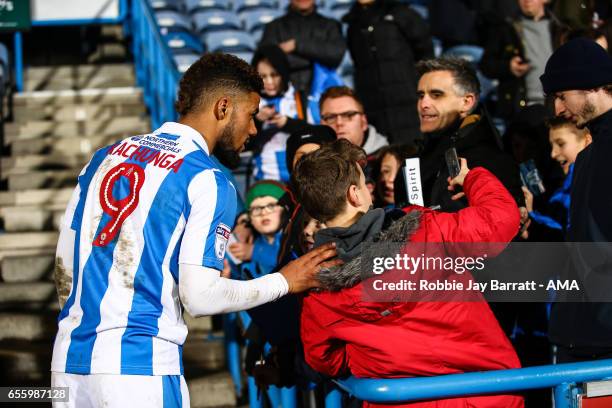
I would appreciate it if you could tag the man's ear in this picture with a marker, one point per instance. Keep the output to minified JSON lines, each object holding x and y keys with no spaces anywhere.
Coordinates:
{"x":222,"y":108}
{"x":469,"y":102}
{"x":364,"y":122}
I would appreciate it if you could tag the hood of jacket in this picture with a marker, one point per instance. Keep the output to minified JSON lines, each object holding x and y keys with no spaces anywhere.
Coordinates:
{"x":374,"y":140}
{"x":352,"y":243}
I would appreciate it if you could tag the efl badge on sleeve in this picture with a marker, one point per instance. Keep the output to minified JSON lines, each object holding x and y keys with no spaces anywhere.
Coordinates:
{"x":222,"y":234}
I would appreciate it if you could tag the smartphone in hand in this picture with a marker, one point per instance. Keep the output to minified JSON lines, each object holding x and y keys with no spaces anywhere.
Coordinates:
{"x":452,"y":162}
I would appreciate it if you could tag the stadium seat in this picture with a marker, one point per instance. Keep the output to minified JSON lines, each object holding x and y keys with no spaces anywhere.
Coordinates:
{"x":169,"y":5}
{"x":229,"y":41}
{"x":255,"y":20}
{"x":183,"y":43}
{"x":193,"y":6}
{"x":246,"y":56}
{"x":171,"y":21}
{"x":339,"y":4}
{"x":244,"y":5}
{"x":207,"y":21}
{"x":471,"y":53}
{"x":423,"y":11}
{"x":184,"y":61}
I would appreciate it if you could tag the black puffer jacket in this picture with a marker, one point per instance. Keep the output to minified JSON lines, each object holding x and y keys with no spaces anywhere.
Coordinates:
{"x":318,"y":39}
{"x":385,"y":40}
{"x":476,"y":140}
{"x":504,"y":41}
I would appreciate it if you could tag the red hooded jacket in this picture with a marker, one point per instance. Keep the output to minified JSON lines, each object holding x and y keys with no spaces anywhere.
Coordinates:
{"x":343,"y":334}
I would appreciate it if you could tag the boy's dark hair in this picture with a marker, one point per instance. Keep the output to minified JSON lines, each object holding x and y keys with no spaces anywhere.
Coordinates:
{"x":334,"y":92}
{"x":557,"y":122}
{"x":211,"y":74}
{"x":463,"y":72}
{"x":323,"y":177}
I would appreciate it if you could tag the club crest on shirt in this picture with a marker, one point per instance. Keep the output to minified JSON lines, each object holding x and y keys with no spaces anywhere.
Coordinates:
{"x":222,"y":234}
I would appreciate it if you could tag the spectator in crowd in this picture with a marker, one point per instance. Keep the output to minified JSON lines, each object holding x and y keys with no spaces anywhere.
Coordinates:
{"x":389,"y":160}
{"x":300,"y":143}
{"x":385,"y":39}
{"x":144,"y":238}
{"x":566,"y":141}
{"x":578,"y":76}
{"x":448,"y":92}
{"x":282,"y":110}
{"x":344,"y":334}
{"x":458,"y":22}
{"x":267,"y":218}
{"x":306,"y":37}
{"x":343,"y":111}
{"x":516,"y":51}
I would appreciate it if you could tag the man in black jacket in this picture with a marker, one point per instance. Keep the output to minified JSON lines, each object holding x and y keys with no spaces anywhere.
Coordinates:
{"x":579,"y":78}
{"x":306,"y":37}
{"x":385,"y":39}
{"x":516,"y":50}
{"x":447,"y":94}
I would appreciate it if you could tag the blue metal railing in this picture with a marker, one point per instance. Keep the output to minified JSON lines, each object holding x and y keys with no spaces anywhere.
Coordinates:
{"x":399,"y":390}
{"x":156,"y":71}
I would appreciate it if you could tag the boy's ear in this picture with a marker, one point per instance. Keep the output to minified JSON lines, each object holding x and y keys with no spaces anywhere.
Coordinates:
{"x":352,"y":196}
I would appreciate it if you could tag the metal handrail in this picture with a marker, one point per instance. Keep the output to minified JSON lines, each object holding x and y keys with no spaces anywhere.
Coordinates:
{"x":156,"y":71}
{"x":400,"y":390}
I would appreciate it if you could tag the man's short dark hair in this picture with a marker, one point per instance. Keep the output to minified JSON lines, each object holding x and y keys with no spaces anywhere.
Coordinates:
{"x":334,"y":92}
{"x":322,"y":178}
{"x":211,"y":74}
{"x":465,"y":76}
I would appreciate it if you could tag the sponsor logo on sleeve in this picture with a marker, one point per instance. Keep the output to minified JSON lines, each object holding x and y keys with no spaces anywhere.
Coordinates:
{"x":222,"y":234}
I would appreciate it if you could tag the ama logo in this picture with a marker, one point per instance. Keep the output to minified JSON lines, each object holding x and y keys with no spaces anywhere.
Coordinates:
{"x":222,"y":234}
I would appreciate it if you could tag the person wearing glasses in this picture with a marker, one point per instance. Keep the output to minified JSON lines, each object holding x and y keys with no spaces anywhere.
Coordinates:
{"x":266,"y":217}
{"x":342,"y":110}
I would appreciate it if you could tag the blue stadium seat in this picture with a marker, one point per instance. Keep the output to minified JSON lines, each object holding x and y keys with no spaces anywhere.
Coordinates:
{"x":169,"y":5}
{"x":171,"y":21}
{"x":244,"y":5}
{"x":339,"y":4}
{"x":207,"y":21}
{"x":193,"y":6}
{"x":246,"y":56}
{"x":255,"y":20}
{"x":184,"y":61}
{"x":423,"y":11}
{"x":183,"y":43}
{"x":471,"y":53}
{"x":229,"y":41}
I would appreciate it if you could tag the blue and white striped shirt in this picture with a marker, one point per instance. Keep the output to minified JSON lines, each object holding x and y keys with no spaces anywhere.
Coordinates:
{"x":141,"y":207}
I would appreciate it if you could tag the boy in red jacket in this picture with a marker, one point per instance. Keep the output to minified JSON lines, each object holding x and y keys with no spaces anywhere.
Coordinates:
{"x":344,"y":333}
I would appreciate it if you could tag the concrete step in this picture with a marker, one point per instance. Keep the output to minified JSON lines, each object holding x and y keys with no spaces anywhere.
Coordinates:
{"x":60,"y":145}
{"x":70,"y":113}
{"x":79,"y":77}
{"x":53,"y":197}
{"x":33,"y":162}
{"x":26,"y":362}
{"x":118,"y":127}
{"x":27,"y":265}
{"x":214,"y":390}
{"x":93,"y":96}
{"x":203,"y":354}
{"x":27,"y":325}
{"x":26,"y":240}
{"x":27,"y":292}
{"x":197,"y":325}
{"x":43,"y":179}
{"x":32,"y":218}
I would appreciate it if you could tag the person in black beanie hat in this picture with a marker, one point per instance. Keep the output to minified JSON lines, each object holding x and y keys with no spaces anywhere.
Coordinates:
{"x":307,"y":140}
{"x":578,"y":77}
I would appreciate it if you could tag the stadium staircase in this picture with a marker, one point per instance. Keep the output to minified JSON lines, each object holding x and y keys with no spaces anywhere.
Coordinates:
{"x":64,"y":115}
